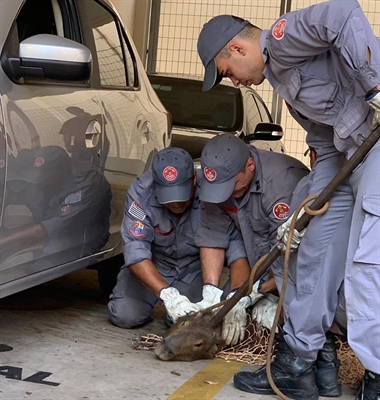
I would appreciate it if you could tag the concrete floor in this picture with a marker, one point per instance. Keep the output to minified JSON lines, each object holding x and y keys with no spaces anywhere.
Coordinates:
{"x":62,"y":347}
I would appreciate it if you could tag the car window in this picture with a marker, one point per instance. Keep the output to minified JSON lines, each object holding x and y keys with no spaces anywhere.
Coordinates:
{"x":116,"y":62}
{"x":218,"y":109}
{"x":42,"y":16}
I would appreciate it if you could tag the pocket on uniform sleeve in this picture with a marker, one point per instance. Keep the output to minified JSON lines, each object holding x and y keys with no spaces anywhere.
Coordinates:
{"x":368,"y":250}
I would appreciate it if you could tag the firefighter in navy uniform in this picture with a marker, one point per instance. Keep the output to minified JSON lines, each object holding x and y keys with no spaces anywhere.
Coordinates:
{"x":249,"y":188}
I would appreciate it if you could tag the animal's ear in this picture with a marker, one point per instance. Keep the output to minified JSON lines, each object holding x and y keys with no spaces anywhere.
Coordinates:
{"x":212,"y":352}
{"x":220,"y":342}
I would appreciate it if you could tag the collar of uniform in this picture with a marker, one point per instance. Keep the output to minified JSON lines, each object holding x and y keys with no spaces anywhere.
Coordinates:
{"x":256,"y":184}
{"x":263,"y":44}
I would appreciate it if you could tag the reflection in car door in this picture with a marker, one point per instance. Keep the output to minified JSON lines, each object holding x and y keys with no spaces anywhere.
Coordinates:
{"x":54,"y":132}
{"x":252,"y":112}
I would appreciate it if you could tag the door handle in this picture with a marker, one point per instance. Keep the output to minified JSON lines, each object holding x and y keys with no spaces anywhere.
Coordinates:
{"x":92,"y":134}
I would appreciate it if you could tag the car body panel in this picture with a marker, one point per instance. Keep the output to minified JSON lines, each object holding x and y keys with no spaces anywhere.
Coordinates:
{"x":70,"y":148}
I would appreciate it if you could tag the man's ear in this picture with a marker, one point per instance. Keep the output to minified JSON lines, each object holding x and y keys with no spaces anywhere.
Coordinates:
{"x":250,"y":166}
{"x":236,"y":46}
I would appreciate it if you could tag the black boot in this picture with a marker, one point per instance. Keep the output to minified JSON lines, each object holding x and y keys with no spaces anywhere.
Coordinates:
{"x":327,"y":372}
{"x":292,"y":375}
{"x":370,"y":387}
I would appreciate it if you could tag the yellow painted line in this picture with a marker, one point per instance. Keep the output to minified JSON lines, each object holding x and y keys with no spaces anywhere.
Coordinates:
{"x":207,"y":382}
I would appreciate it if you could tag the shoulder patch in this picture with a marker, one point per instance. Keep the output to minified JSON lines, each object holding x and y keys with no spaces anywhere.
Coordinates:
{"x":278,"y":30}
{"x":281,"y":211}
{"x":136,"y":211}
{"x":137,"y":229}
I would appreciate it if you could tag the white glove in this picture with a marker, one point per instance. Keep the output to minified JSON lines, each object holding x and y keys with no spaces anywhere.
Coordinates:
{"x":235,"y":321}
{"x":176,"y":304}
{"x":373,"y":100}
{"x":211,"y":295}
{"x":255,"y":295}
{"x":283,"y":232}
{"x":264,"y":312}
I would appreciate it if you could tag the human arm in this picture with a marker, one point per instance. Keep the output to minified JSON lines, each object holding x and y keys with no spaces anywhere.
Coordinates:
{"x":337,"y":25}
{"x":149,"y":276}
{"x":176,"y":304}
{"x":31,"y":238}
{"x":219,"y":240}
{"x":212,"y":262}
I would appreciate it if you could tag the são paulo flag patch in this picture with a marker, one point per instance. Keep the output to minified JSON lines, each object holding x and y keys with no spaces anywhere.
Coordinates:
{"x":137,"y":229}
{"x":281,"y":211}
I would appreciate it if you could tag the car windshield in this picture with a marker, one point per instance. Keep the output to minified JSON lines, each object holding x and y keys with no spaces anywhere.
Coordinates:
{"x":218,"y":109}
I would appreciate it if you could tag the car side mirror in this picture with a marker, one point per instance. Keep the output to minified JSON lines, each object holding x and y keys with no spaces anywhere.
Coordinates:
{"x":266,"y":131}
{"x":49,"y":57}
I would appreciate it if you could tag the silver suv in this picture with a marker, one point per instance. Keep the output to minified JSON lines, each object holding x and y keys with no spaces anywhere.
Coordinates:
{"x":78,"y":122}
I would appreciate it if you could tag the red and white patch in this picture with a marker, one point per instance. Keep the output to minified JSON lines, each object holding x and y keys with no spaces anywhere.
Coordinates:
{"x":39,"y":162}
{"x":209,"y":173}
{"x":2,"y":163}
{"x":281,"y":211}
{"x":278,"y":30}
{"x":170,"y":173}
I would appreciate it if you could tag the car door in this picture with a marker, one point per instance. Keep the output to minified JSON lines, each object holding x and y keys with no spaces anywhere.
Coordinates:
{"x":135,"y":121}
{"x":54,"y":145}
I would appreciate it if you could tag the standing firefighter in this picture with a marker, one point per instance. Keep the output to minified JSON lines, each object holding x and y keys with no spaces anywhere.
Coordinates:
{"x":324,"y":61}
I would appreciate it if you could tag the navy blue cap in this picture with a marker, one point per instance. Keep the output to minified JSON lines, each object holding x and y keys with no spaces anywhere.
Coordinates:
{"x":222,"y":158}
{"x":173,"y":172}
{"x":214,"y":35}
{"x":39,"y":164}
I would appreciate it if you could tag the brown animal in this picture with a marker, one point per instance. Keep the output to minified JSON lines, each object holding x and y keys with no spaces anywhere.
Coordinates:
{"x":199,"y":336}
{"x":191,"y":338}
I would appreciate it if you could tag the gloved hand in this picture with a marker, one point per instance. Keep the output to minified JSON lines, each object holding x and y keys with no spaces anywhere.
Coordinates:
{"x":255,"y":295}
{"x":283,"y":232}
{"x":211,"y":295}
{"x":264,"y":312}
{"x":373,"y":99}
{"x":235,"y":321}
{"x":176,"y":304}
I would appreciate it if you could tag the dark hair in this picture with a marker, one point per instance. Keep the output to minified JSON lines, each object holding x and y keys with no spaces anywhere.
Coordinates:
{"x":248,"y":32}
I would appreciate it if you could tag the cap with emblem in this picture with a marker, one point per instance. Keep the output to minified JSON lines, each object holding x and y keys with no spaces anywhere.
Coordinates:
{"x":214,"y":35}
{"x":223,"y":157}
{"x":173,"y":172}
{"x":39,"y":164}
